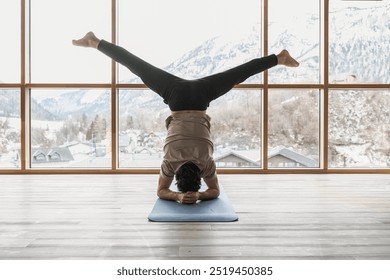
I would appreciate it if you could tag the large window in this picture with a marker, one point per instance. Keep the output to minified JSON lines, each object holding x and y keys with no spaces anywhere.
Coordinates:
{"x":10,"y":47}
{"x":10,"y":122}
{"x":191,"y":38}
{"x":70,"y":109}
{"x":294,"y":132}
{"x":296,"y":26}
{"x":9,"y":128}
{"x":236,"y":126}
{"x":70,"y":129}
{"x":53,"y":26}
{"x":359,"y":42}
{"x":359,"y":128}
{"x":142,"y":129}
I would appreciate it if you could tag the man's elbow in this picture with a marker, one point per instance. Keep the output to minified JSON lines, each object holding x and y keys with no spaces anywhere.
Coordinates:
{"x":217,"y":193}
{"x":160,"y":193}
{"x":216,"y":189}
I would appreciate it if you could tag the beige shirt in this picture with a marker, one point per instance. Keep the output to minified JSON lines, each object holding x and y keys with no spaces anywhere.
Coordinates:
{"x":188,"y":139}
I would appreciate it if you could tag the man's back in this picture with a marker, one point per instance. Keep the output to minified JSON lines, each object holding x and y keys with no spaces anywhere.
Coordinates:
{"x":188,"y":139}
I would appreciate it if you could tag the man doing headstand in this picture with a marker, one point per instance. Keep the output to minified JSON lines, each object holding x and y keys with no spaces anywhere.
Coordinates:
{"x":188,"y":148}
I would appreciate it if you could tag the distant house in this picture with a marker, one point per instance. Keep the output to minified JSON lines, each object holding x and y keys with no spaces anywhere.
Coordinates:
{"x":76,"y":148}
{"x":51,"y":155}
{"x":283,"y":157}
{"x":87,"y":149}
{"x":238,"y":159}
{"x":277,"y":157}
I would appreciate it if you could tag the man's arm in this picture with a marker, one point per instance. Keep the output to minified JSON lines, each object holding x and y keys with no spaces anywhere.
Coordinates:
{"x":213,"y":188}
{"x":211,"y":192}
{"x":164,"y":192}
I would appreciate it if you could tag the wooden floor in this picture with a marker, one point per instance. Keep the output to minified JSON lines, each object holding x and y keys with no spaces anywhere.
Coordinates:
{"x":280,"y":217}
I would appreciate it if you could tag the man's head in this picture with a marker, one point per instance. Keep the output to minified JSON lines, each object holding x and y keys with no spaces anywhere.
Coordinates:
{"x":188,"y":178}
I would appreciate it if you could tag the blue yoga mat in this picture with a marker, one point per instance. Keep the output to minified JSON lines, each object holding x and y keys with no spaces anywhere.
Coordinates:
{"x":215,"y":210}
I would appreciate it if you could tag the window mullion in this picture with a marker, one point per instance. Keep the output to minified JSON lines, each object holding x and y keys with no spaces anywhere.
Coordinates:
{"x":265,"y":90}
{"x":114,"y":101}
{"x":325,"y":129}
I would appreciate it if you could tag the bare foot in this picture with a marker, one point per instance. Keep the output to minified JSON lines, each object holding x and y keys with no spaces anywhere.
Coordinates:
{"x":89,"y":41}
{"x":284,"y":58}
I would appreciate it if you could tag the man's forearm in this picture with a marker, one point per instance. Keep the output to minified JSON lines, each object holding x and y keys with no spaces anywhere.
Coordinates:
{"x":168,"y":195}
{"x":163,"y":190}
{"x":208,"y":194}
{"x":213,"y":188}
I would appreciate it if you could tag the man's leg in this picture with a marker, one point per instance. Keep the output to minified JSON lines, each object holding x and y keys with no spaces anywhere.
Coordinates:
{"x":156,"y":79}
{"x":223,"y":82}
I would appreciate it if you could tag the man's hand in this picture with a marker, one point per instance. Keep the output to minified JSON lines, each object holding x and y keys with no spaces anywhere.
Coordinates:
{"x":164,"y":192}
{"x":189,"y":197}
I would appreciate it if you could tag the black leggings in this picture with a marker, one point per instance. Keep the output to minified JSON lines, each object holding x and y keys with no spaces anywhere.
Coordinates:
{"x":181,"y":94}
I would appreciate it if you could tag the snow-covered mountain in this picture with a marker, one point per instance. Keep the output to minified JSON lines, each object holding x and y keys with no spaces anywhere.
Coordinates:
{"x":360,"y":44}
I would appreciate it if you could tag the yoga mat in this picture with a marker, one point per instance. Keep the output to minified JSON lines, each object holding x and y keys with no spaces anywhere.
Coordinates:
{"x":215,"y":210}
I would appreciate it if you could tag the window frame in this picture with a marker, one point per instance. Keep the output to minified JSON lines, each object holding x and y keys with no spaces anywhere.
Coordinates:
{"x":114,"y":86}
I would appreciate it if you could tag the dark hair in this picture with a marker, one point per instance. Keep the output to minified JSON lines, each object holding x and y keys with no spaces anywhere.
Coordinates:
{"x":188,"y":177}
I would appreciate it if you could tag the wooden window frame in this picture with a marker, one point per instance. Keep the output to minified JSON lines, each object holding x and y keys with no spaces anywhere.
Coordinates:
{"x":25,"y":86}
